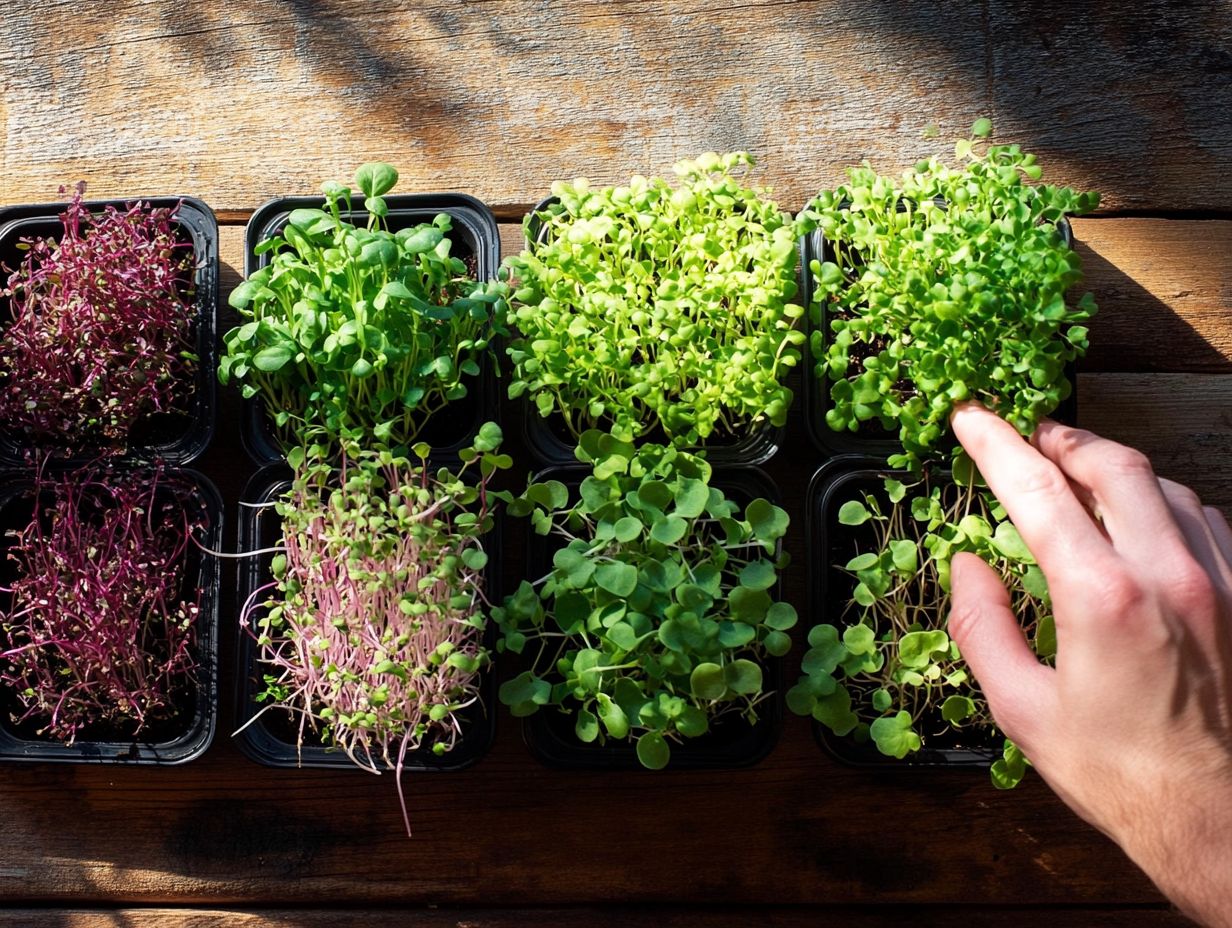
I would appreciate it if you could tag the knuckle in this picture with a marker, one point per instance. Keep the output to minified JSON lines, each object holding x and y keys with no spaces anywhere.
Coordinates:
{"x":1190,"y":588}
{"x":1126,"y":462}
{"x":1116,"y":594}
{"x":1039,"y":480}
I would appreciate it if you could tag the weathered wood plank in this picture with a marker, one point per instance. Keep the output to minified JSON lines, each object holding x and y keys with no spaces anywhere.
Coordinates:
{"x":797,"y":829}
{"x":610,"y":917}
{"x":1164,"y":289}
{"x":499,"y":99}
{"x":1112,"y":101}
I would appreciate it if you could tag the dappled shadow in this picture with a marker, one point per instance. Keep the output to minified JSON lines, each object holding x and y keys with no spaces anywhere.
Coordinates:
{"x":1135,"y":101}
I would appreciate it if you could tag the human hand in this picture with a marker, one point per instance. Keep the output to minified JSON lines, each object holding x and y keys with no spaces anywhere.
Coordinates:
{"x":1133,"y":727}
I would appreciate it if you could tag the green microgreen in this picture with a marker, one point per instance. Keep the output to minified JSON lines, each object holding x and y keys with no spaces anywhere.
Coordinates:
{"x":359,"y":332}
{"x":891,"y":673}
{"x":659,"y":609}
{"x":645,"y":307}
{"x":946,"y":284}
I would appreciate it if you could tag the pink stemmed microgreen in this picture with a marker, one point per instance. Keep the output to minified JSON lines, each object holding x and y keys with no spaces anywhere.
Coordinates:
{"x":374,"y":634}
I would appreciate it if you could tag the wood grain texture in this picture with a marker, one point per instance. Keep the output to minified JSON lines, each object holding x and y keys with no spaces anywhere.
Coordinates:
{"x":1164,"y":289}
{"x":238,"y":104}
{"x":797,"y":829}
{"x":609,"y":917}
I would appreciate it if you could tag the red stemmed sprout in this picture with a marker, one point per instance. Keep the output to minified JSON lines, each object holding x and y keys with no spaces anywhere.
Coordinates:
{"x":102,"y":327}
{"x":99,"y":628}
{"x":374,"y":632}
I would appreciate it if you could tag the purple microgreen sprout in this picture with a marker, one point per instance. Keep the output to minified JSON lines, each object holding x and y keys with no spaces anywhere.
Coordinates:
{"x":100,"y":629}
{"x":102,"y":327}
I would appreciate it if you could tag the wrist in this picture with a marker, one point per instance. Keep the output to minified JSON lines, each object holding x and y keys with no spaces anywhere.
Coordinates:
{"x":1185,"y":845}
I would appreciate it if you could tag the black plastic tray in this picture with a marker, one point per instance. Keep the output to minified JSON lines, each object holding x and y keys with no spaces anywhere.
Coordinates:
{"x":197,"y":729}
{"x":549,"y":441}
{"x":872,"y":439}
{"x":180,"y":438}
{"x":271,"y":739}
{"x":832,"y":485}
{"x":474,"y":234}
{"x":549,"y":732}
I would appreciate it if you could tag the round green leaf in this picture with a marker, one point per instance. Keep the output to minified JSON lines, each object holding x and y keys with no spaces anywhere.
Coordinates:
{"x":707,"y":681}
{"x":743,"y":677}
{"x":853,"y":512}
{"x":376,"y":178}
{"x":894,"y":735}
{"x":617,"y":578}
{"x":769,"y":522}
{"x":669,"y":531}
{"x":758,"y":575}
{"x":652,"y":751}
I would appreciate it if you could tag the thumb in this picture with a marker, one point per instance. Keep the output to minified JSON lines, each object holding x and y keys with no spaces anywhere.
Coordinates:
{"x":987,"y":633}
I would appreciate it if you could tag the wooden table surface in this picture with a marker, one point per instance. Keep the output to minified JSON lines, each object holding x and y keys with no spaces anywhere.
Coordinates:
{"x":239,"y":102}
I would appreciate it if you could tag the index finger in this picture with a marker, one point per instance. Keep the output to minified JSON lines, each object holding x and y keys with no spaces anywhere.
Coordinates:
{"x":1035,"y":493}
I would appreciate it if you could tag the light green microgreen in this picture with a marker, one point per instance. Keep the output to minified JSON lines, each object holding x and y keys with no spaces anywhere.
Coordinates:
{"x":943,"y":285}
{"x":645,"y":307}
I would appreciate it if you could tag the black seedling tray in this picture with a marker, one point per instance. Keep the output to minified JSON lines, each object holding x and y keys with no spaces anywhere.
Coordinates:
{"x":476,"y":240}
{"x":271,"y":738}
{"x":175,"y":741}
{"x":871,"y":438}
{"x":731,"y":743}
{"x":829,"y":543}
{"x":173,"y":438}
